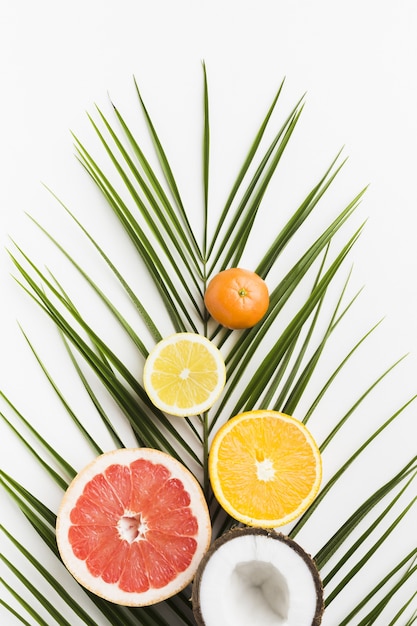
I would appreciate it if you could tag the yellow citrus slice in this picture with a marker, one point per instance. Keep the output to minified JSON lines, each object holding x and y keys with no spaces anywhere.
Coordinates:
{"x":133,"y":526}
{"x":265,"y":468}
{"x":184,"y":374}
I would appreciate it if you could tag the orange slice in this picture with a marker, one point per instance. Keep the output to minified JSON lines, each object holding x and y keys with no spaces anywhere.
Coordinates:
{"x":265,"y":468}
{"x":184,"y":374}
{"x":133,"y":526}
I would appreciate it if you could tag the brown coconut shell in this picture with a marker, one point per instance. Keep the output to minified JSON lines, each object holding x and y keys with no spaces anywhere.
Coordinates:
{"x":274,"y":536}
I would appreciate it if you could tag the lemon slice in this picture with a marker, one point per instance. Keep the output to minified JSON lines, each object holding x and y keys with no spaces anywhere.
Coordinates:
{"x":184,"y":374}
{"x":265,"y":468}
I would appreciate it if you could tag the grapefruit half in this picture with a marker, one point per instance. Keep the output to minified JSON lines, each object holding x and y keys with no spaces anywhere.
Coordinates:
{"x":133,"y":526}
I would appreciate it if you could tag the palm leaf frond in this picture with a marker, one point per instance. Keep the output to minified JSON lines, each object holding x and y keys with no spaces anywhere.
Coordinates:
{"x":276,"y":364}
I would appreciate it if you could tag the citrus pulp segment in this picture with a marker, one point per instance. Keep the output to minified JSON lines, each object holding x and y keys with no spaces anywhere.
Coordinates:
{"x":265,"y":468}
{"x":184,"y":374}
{"x":133,"y":526}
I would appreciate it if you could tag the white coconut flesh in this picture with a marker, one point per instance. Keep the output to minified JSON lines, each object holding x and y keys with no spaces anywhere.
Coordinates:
{"x":257,"y":578}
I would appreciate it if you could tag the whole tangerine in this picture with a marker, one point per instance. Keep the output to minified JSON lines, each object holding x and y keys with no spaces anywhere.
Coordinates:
{"x":237,"y":298}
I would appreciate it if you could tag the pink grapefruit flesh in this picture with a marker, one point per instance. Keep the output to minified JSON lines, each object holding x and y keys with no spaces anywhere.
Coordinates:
{"x":133,"y":526}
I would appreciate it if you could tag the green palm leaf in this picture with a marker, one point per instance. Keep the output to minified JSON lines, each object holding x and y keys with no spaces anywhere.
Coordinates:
{"x":276,"y":364}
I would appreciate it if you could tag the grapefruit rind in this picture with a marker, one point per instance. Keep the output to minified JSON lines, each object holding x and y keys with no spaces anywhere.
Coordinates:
{"x":240,"y":514}
{"x":78,"y":567}
{"x":193,"y":408}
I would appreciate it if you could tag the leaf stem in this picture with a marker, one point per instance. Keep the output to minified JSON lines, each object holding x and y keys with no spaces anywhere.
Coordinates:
{"x":206,"y":482}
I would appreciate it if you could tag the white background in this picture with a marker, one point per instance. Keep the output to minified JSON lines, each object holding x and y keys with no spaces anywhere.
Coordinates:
{"x":355,"y":60}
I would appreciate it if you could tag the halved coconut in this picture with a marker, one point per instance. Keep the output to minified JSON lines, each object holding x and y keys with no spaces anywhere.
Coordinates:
{"x":257,"y":577}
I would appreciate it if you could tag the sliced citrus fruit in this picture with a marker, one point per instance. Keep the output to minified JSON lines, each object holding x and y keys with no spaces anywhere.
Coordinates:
{"x":184,"y":374}
{"x":133,"y":526}
{"x":265,"y":468}
{"x":237,"y":298}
